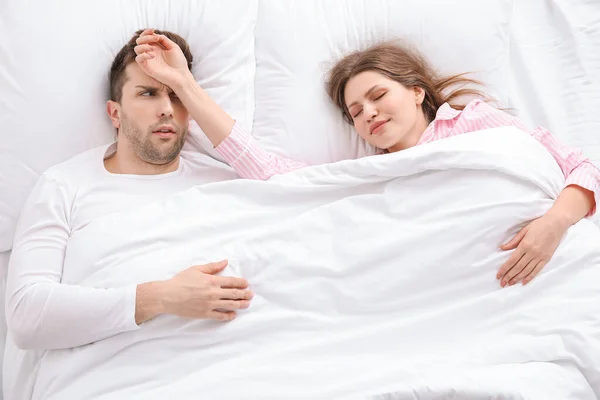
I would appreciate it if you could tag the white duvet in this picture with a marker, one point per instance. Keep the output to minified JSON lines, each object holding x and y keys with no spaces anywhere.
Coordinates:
{"x":372,"y":278}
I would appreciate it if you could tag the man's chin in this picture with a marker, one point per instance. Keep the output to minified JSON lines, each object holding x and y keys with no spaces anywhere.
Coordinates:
{"x":164,"y":159}
{"x":168,"y":153}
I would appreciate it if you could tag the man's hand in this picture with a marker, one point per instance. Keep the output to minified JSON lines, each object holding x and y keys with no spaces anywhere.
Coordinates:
{"x":164,"y":61}
{"x":197,"y":293}
{"x":161,"y":58}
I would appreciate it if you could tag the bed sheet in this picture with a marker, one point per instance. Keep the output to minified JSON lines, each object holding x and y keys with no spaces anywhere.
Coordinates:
{"x":333,"y":325}
{"x":3,"y":268}
{"x":555,"y":75}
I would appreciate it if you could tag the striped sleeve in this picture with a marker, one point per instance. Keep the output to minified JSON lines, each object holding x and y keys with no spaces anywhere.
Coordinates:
{"x":577,"y":169}
{"x":249,"y":160}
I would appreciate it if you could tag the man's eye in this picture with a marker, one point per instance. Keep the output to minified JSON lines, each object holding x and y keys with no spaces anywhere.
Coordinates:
{"x":147,"y":93}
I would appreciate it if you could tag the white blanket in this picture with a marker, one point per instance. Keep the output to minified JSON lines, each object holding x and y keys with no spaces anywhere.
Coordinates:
{"x":372,"y":277}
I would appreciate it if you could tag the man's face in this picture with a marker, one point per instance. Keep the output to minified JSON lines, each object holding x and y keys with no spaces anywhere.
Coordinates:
{"x":150,"y":118}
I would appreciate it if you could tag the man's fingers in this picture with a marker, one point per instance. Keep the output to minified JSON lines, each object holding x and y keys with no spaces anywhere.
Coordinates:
{"x":161,"y":40}
{"x":143,"y":48}
{"x":212,"y":268}
{"x":148,"y":39}
{"x":231,"y":305}
{"x":231,"y":282}
{"x":222,"y":315}
{"x":535,"y":271}
{"x":235,"y":294}
{"x":143,"y":57}
{"x":165,"y":42}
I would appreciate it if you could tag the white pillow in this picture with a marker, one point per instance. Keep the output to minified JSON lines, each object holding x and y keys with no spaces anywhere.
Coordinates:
{"x":298,"y":41}
{"x":556,"y":70}
{"x":54,"y":64}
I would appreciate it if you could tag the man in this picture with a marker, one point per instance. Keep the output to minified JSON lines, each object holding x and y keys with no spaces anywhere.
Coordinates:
{"x":43,"y":310}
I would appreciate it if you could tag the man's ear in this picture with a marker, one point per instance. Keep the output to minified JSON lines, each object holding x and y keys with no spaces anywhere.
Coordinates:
{"x":114,"y":113}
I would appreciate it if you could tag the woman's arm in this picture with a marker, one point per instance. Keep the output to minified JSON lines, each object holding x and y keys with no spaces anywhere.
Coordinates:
{"x":536,"y":243}
{"x":573,"y":204}
{"x":580,"y":174}
{"x":250,"y":160}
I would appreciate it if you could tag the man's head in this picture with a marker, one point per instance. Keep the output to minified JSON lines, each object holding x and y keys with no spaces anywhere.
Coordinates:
{"x":151,"y":121}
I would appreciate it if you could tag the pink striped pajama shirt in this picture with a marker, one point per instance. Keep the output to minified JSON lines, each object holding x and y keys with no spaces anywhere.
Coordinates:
{"x":250,"y":161}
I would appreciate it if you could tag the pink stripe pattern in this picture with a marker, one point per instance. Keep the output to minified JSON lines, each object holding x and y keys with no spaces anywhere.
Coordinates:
{"x":250,"y":161}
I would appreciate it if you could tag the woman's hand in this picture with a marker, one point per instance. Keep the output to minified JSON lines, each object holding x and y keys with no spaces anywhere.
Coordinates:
{"x":536,"y":243}
{"x":534,"y":246}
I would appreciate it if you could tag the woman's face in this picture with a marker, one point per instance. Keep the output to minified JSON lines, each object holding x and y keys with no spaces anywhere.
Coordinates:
{"x":385,"y":113}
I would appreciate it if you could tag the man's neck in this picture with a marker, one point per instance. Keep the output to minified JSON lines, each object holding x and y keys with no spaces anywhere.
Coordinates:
{"x":119,"y":163}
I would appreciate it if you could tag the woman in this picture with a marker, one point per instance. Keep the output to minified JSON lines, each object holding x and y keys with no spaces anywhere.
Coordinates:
{"x":395,"y":100}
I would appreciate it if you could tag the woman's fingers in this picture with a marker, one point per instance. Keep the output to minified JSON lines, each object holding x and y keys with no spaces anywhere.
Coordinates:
{"x":515,"y":270}
{"x":524,"y":272}
{"x":514,"y":258}
{"x":514,"y":242}
{"x":535,"y":271}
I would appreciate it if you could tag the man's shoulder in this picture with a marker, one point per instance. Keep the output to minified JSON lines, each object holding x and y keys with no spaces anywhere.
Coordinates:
{"x":79,"y":168}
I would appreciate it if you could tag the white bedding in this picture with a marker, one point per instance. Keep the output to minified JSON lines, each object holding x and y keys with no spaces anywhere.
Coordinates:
{"x":3,"y":269}
{"x":361,"y":288}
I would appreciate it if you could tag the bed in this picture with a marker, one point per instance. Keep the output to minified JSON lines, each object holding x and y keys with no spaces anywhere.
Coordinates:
{"x":264,"y":61}
{"x":4,"y":265}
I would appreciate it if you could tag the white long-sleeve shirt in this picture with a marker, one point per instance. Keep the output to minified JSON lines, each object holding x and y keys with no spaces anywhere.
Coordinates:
{"x":44,"y":310}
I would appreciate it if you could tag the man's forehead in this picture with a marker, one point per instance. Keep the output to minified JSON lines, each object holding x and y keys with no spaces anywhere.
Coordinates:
{"x":137,"y":77}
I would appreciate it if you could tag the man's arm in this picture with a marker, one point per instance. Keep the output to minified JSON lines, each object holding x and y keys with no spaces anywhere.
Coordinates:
{"x":44,"y":313}
{"x":41,"y":312}
{"x":163,"y":60}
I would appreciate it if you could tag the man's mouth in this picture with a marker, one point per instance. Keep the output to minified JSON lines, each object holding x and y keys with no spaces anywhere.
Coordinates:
{"x":164,"y":131}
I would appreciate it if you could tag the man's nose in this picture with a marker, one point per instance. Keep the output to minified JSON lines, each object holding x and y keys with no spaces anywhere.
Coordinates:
{"x":166,"y":106}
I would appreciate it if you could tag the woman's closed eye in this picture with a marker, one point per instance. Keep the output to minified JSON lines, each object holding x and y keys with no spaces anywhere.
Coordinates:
{"x":380,"y":96}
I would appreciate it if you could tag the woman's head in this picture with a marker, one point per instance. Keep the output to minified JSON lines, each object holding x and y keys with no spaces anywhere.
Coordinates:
{"x":390,"y":94}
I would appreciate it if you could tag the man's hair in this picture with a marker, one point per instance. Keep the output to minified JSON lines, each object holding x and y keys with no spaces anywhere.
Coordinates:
{"x":127,"y":55}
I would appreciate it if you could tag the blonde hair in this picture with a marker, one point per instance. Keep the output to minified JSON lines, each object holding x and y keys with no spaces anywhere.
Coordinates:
{"x":406,"y":66}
